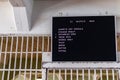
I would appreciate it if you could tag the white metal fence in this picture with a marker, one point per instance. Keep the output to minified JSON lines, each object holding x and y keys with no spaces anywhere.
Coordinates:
{"x":82,"y":74}
{"x":20,"y":56}
{"x":21,"y":59}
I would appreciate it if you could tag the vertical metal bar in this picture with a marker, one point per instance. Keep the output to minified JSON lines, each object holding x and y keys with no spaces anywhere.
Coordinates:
{"x":48,"y":44}
{"x":88,"y":74}
{"x":15,"y":59}
{"x":65,"y":74}
{"x":37,"y":57}
{"x":8,"y":77}
{"x":59,"y":74}
{"x":21,"y":57}
{"x":26,"y":58}
{"x":94,"y":74}
{"x":101,"y":74}
{"x":53,"y":74}
{"x":113,"y":75}
{"x":1,"y":48}
{"x":5,"y":58}
{"x":83,"y":74}
{"x":31,"y":58}
{"x":107,"y":74}
{"x":43,"y":44}
{"x":118,"y":74}
{"x":77,"y":74}
{"x":71,"y":74}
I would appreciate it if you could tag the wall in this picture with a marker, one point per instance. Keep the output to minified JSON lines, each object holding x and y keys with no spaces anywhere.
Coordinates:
{"x":44,"y":10}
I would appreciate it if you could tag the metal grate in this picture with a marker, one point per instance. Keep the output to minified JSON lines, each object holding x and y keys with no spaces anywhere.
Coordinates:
{"x":20,"y":56}
{"x":82,"y":74}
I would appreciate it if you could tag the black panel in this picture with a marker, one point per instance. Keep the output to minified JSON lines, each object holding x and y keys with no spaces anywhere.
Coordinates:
{"x":86,"y":38}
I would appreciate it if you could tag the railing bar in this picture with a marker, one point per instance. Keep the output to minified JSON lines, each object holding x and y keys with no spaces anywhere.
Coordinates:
{"x":53,"y":74}
{"x":107,"y":74}
{"x":21,"y":56}
{"x":83,"y":74}
{"x":77,"y":74}
{"x":26,"y":57}
{"x":20,"y":70}
{"x":113,"y":75}
{"x":8,"y":77}
{"x":95,"y":74}
{"x":71,"y":74}
{"x":15,"y":59}
{"x":118,"y":74}
{"x":48,"y":44}
{"x":23,"y":52}
{"x":65,"y":74}
{"x":43,"y":44}
{"x":37,"y":57}
{"x":1,"y":49}
{"x":31,"y":57}
{"x":5,"y":58}
{"x":88,"y":74}
{"x":59,"y":74}
{"x":101,"y":74}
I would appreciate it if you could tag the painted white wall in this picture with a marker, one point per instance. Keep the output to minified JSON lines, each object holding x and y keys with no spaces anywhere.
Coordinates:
{"x":7,"y":23}
{"x":44,"y":10}
{"x":3,"y":0}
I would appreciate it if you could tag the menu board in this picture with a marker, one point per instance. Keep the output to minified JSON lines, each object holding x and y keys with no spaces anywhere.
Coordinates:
{"x":83,"y":38}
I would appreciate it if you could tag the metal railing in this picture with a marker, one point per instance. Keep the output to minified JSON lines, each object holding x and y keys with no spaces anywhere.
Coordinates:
{"x":82,"y":74}
{"x":20,"y":56}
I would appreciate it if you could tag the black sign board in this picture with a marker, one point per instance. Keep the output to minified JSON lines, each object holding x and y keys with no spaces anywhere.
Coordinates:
{"x":84,"y":38}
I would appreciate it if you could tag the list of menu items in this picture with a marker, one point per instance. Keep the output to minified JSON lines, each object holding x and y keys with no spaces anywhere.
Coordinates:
{"x":66,"y":35}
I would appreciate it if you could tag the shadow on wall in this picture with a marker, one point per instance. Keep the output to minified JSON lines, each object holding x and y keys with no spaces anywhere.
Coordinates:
{"x":40,"y":6}
{"x":44,"y":10}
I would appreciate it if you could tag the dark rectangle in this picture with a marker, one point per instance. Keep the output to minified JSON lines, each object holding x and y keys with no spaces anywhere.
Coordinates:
{"x":84,"y":38}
